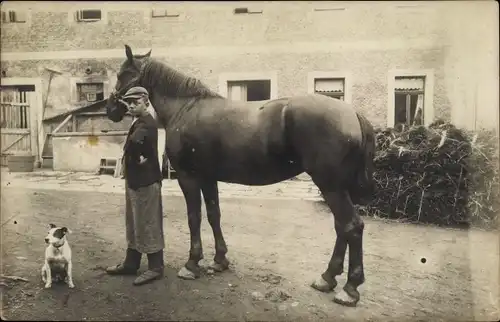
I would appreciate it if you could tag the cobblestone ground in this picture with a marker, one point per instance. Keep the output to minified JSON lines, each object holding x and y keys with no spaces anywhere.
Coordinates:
{"x":279,"y":240}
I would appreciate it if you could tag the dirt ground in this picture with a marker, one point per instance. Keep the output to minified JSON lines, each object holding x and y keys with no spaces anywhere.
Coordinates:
{"x":276,"y":249}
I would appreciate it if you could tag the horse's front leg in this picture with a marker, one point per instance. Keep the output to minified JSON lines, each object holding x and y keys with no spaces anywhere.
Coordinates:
{"x":211,"y":196}
{"x":192,"y":194}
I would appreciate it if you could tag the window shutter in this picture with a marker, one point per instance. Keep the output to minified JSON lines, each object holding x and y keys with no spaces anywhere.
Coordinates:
{"x":12,"y":16}
{"x":410,"y":83}
{"x":332,"y":85}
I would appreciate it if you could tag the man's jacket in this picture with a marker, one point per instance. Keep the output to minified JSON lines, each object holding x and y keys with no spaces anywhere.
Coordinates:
{"x":142,"y":139}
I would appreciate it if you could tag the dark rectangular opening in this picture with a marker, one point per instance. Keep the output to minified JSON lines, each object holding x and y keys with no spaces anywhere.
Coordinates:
{"x":90,"y":14}
{"x":405,"y":104}
{"x":258,"y":90}
{"x":240,"y":10}
{"x":21,"y":88}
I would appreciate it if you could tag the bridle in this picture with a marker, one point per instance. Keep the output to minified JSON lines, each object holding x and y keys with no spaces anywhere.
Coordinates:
{"x":135,"y":81}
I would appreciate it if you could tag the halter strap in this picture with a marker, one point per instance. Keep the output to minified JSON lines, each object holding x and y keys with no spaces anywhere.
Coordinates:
{"x":133,"y":82}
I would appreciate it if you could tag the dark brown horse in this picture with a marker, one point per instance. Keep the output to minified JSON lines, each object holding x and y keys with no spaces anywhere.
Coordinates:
{"x":210,"y":139}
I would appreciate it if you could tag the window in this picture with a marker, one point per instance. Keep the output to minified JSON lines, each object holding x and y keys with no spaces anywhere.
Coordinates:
{"x":157,"y":13}
{"x":15,"y":106}
{"x":245,"y":10}
{"x":250,"y":90}
{"x":330,"y":9}
{"x":13,"y":16}
{"x":89,"y":15}
{"x":333,"y":87}
{"x":409,"y":100}
{"x":90,"y":92}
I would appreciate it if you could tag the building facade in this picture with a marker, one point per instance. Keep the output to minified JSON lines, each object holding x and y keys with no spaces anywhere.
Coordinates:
{"x":396,"y":62}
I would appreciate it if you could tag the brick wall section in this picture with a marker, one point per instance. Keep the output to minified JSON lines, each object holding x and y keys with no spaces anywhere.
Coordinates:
{"x":209,"y":25}
{"x":53,"y":31}
{"x":53,"y":27}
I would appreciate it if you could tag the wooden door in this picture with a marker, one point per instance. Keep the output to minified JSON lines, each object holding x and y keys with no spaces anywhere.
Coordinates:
{"x":15,"y":120}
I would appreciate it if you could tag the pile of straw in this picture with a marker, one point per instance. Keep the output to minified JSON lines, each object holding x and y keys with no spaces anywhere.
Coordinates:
{"x":439,"y":175}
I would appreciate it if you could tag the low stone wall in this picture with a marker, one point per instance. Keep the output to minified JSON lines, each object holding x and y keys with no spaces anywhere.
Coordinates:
{"x":82,"y":151}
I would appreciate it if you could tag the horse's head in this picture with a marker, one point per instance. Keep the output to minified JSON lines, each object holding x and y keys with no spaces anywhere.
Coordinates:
{"x":128,"y":77}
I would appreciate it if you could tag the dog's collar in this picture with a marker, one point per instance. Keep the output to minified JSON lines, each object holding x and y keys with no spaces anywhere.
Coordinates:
{"x":59,"y":246}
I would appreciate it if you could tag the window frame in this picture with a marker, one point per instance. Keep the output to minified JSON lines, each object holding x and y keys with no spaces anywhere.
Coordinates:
{"x":428,"y":75}
{"x":79,"y":93}
{"x":157,"y":13}
{"x":9,"y":13}
{"x":26,"y":14}
{"x":73,"y":16}
{"x":345,"y":75}
{"x":79,"y":11}
{"x":75,"y":81}
{"x":271,"y":76}
{"x":407,"y":94}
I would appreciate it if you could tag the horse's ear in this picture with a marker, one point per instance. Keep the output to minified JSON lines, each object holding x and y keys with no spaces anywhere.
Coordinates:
{"x":147,"y":55}
{"x":128,"y":52}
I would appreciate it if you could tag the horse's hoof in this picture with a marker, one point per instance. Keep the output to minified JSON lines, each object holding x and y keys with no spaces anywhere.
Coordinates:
{"x":343,"y":298}
{"x":186,"y":274}
{"x":217,"y":267}
{"x":323,"y":286}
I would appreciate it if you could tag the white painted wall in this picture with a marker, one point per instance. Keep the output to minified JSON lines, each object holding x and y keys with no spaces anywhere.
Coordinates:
{"x":77,"y":153}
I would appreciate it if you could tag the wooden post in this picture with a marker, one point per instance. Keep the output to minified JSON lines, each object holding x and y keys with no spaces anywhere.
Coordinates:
{"x":408,"y":109}
{"x":66,"y":120}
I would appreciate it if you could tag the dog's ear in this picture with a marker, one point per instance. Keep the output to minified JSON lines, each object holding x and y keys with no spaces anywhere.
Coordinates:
{"x":52,"y":226}
{"x":65,"y":230}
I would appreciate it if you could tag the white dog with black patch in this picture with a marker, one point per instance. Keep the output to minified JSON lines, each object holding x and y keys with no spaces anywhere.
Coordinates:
{"x":58,"y":265}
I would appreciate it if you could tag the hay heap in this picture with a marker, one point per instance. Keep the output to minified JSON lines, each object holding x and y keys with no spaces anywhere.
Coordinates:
{"x":439,"y":175}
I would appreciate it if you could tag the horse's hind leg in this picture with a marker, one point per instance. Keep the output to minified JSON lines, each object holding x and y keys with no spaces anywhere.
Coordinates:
{"x":192,"y":194}
{"x":349,"y":228}
{"x":211,"y":196}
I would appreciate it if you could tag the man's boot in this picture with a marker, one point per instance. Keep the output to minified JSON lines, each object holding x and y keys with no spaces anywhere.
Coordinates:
{"x":129,"y":266}
{"x":155,"y":269}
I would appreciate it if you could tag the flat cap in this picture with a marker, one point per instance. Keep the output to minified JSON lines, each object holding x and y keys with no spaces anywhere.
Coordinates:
{"x":136,"y":92}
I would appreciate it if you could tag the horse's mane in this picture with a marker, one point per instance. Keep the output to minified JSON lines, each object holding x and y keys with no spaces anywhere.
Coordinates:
{"x":170,"y":82}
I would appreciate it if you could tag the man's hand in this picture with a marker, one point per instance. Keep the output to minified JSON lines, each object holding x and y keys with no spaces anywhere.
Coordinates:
{"x":142,"y":159}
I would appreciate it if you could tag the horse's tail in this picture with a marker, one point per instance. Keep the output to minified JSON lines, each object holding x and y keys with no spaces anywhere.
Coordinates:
{"x":363,"y":185}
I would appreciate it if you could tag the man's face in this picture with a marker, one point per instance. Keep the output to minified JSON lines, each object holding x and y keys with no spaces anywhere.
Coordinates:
{"x":137,"y":106}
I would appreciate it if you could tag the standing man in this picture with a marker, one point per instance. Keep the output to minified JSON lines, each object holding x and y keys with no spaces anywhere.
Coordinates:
{"x":143,"y":210}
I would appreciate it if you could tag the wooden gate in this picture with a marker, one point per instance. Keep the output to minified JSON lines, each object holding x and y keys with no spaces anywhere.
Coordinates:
{"x":15,"y":120}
